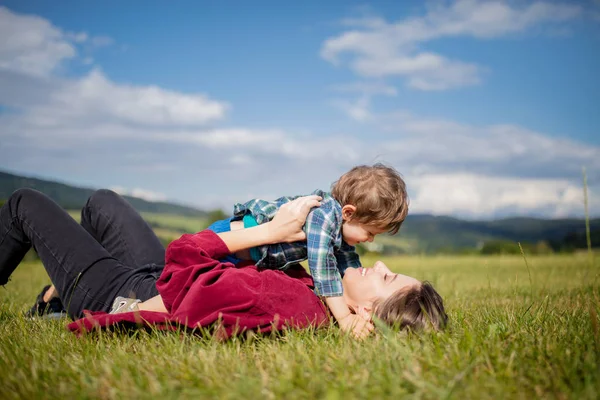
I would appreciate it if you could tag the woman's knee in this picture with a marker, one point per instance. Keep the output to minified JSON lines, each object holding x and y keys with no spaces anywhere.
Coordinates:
{"x":101,"y":202}
{"x":26,"y":196}
{"x":28,"y":203}
{"x":26,"y":193}
{"x":102,"y":198}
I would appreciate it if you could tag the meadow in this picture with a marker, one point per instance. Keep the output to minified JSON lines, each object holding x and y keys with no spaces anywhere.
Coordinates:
{"x":517,"y":330}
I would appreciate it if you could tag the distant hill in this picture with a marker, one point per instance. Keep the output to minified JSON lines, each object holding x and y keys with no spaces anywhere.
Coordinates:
{"x":432,"y":233}
{"x":73,"y":198}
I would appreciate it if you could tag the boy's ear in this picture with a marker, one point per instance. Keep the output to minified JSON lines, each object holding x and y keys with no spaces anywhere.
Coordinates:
{"x":348,"y":211}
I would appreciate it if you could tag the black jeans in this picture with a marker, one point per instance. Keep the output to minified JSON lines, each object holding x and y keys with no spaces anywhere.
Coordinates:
{"x":112,"y":253}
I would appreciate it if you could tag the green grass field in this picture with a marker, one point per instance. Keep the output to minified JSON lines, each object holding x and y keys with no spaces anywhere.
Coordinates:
{"x":514,"y":333}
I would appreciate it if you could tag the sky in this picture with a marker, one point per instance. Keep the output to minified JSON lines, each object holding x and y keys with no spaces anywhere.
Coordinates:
{"x":488,"y":109}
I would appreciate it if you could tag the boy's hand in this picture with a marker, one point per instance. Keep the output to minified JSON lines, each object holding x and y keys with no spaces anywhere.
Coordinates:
{"x":359,"y":327}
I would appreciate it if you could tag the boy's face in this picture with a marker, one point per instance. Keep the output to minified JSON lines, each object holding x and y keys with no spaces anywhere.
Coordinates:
{"x":354,"y":232}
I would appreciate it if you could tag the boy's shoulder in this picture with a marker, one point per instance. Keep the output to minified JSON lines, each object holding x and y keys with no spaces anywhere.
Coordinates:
{"x":266,"y":208}
{"x":329,"y":210}
{"x":328,"y":202}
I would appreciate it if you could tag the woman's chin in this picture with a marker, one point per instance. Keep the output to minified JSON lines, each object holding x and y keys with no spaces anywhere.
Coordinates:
{"x":351,"y":273}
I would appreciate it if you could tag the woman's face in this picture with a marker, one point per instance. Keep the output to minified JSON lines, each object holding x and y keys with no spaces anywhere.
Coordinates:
{"x":364,"y":285}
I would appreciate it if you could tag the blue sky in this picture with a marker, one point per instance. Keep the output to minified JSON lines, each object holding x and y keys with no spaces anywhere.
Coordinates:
{"x":487,"y":108}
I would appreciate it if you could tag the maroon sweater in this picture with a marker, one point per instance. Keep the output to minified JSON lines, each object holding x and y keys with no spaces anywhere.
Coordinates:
{"x":200,"y":291}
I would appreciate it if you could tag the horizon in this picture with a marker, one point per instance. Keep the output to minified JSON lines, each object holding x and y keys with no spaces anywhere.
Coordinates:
{"x":488,"y":109}
{"x":412,"y":215}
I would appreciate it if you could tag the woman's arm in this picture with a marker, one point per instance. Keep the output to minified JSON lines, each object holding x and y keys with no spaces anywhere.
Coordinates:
{"x":285,"y":227}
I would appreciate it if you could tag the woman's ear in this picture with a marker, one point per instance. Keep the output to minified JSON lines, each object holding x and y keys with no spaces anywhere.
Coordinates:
{"x":348,"y":211}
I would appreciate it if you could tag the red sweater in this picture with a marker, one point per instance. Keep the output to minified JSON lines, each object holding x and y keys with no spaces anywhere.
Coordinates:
{"x":198,"y":290}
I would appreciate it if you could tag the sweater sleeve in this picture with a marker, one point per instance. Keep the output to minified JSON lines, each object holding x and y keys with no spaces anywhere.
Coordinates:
{"x":186,"y":258}
{"x":206,"y":244}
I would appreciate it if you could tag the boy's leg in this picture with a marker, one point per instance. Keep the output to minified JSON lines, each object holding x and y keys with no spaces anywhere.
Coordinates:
{"x":84,"y":273}
{"x":115,"y":224}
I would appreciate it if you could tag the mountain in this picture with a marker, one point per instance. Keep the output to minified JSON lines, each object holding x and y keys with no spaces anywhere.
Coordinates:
{"x":433,"y":233}
{"x":73,"y":198}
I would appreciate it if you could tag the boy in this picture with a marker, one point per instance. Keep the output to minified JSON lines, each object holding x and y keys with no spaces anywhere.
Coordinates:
{"x":364,"y":202}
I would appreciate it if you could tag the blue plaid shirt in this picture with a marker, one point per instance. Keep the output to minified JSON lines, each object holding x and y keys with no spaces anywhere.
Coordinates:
{"x":327,"y":254}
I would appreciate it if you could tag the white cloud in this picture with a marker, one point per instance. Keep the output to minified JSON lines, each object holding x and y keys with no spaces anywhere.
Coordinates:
{"x":256,"y":143}
{"x":473,"y":195}
{"x":31,"y":44}
{"x":31,"y":51}
{"x":102,"y":41}
{"x":358,"y":109}
{"x":366,"y":88}
{"x":140,"y":193}
{"x":79,"y":37}
{"x":378,"y":48}
{"x":439,"y":145}
{"x":95,"y":97}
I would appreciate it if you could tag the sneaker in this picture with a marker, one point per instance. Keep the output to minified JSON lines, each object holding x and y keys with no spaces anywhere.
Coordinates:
{"x":123,"y":305}
{"x":48,"y":310}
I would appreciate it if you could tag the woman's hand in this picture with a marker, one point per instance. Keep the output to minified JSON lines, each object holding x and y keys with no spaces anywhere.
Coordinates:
{"x":287,"y":224}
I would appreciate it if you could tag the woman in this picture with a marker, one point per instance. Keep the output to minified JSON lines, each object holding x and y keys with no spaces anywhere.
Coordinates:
{"x":115,"y":253}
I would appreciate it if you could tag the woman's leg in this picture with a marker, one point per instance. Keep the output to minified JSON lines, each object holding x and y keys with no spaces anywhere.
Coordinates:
{"x":117,"y":226}
{"x":84,"y":273}
{"x":121,"y":230}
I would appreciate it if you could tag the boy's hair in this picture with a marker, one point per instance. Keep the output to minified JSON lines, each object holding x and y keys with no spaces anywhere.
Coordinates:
{"x":415,"y":309}
{"x":379,"y":194}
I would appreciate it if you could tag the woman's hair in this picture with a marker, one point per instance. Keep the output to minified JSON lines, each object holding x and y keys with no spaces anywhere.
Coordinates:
{"x":415,"y":309}
{"x":379,"y":194}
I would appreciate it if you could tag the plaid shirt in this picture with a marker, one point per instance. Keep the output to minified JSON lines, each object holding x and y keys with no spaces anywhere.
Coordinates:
{"x":327,"y":254}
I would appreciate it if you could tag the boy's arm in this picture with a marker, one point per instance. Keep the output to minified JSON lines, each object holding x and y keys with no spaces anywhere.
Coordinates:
{"x":347,"y":258}
{"x":320,"y":236}
{"x":323,"y":266}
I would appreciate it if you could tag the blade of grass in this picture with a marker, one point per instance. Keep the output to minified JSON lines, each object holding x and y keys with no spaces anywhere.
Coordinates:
{"x":528,"y":270}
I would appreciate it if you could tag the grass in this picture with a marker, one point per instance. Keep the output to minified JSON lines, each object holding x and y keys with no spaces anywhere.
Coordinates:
{"x":176,"y":222}
{"x":515,"y":332}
